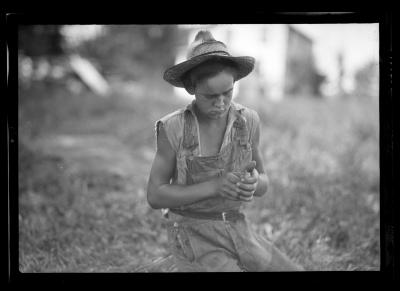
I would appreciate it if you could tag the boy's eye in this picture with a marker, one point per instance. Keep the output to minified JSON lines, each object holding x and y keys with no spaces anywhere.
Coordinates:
{"x":228,"y":93}
{"x":212,"y":96}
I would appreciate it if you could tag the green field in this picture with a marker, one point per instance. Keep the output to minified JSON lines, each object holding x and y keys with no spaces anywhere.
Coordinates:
{"x":84,"y":163}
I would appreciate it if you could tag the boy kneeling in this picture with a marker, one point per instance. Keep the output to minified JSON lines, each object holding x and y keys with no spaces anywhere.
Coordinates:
{"x":207,"y":164}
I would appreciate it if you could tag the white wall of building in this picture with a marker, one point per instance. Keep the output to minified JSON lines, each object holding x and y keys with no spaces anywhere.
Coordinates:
{"x":359,"y":43}
{"x":267,"y":43}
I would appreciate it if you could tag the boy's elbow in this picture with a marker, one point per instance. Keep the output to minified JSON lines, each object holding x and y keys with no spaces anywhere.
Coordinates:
{"x":153,"y":199}
{"x":261,"y":192}
{"x":265,"y":190}
{"x":264,"y":186}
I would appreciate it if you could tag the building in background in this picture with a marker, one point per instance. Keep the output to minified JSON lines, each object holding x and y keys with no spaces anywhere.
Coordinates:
{"x":295,"y":59}
{"x":284,"y":59}
{"x":341,"y":52}
{"x":301,"y":76}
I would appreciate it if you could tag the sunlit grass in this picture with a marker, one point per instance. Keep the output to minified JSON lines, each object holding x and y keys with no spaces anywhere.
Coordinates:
{"x":323,"y":161}
{"x":322,"y":207}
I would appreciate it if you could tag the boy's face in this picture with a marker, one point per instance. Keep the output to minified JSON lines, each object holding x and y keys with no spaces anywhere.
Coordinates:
{"x":214,"y":95}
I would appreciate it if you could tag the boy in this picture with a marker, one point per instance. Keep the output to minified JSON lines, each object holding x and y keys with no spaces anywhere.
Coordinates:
{"x":207,"y":164}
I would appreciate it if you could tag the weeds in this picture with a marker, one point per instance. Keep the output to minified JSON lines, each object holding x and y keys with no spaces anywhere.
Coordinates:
{"x":322,"y":207}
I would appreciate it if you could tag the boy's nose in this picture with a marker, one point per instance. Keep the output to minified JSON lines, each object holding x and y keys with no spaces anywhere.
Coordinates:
{"x":220,"y":101}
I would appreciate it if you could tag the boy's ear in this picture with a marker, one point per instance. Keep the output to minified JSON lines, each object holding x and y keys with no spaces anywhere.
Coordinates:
{"x":188,"y":84}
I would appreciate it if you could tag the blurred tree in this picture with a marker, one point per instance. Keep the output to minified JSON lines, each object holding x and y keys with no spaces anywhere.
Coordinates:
{"x":367,"y":80}
{"x":134,"y":52}
{"x":40,"y":40}
{"x":40,"y":49}
{"x":302,"y":77}
{"x":340,"y":65}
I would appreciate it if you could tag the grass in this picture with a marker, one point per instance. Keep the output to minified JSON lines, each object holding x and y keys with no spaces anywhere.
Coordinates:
{"x":323,"y":161}
{"x":322,"y":207}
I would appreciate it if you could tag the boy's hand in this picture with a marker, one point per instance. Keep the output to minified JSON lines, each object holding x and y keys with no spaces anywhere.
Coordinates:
{"x":248,"y":185}
{"x":238,"y":186}
{"x":248,"y":181}
{"x":226,"y":186}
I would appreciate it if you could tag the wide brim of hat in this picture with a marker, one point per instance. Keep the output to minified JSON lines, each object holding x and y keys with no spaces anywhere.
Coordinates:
{"x":173,"y":75}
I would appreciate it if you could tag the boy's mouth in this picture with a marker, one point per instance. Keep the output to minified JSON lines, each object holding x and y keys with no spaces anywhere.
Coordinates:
{"x":222,"y":110}
{"x":217,"y":112}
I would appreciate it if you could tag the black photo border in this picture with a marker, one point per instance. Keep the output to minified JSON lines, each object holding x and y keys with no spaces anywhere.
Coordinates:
{"x":389,"y":145}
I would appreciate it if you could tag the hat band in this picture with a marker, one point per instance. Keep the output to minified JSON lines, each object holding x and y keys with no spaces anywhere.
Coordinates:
{"x":213,"y":52}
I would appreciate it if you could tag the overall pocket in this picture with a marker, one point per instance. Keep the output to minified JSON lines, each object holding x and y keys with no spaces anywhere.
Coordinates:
{"x":198,"y":177}
{"x":180,"y":243}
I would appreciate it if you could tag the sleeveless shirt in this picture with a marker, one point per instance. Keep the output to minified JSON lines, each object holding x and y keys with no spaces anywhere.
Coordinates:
{"x":182,"y":131}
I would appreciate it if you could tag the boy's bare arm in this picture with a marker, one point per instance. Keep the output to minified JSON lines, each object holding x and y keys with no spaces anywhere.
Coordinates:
{"x":263,"y":180}
{"x":162,"y":194}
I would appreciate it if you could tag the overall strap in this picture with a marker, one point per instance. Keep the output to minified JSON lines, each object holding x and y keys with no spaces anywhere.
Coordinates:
{"x":242,"y":131}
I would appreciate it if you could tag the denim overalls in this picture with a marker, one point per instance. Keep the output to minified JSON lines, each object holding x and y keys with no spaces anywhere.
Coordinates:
{"x":215,"y":245}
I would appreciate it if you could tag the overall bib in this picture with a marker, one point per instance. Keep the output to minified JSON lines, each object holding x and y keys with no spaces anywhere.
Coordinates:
{"x":217,"y":245}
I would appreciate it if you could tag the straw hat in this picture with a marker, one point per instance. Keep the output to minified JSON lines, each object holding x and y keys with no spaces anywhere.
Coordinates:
{"x":203,"y":48}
